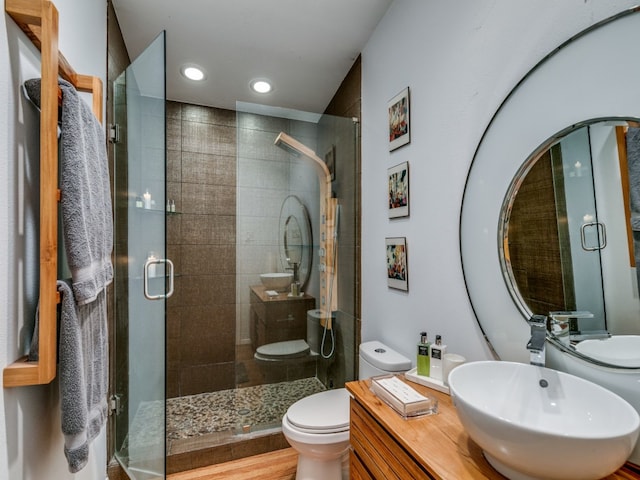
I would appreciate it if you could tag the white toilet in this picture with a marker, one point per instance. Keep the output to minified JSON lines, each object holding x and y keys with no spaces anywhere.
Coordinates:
{"x":317,"y":426}
{"x":299,"y":348}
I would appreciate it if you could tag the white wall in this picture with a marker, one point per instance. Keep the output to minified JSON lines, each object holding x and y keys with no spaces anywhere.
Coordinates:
{"x":460,"y":59}
{"x":31,"y":442}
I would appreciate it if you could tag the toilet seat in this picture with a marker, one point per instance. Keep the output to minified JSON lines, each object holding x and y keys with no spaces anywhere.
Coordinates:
{"x":281,"y":350}
{"x":321,"y":413}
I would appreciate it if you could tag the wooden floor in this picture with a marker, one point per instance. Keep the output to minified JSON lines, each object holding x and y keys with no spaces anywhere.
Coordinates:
{"x":278,"y":465}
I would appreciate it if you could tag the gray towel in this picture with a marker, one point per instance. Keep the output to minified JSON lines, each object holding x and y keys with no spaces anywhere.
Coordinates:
{"x":83,"y":372}
{"x":633,"y":161}
{"x":88,"y":237}
{"x":86,"y":197}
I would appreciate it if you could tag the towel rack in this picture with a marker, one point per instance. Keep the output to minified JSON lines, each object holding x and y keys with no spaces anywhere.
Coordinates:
{"x":38,"y":19}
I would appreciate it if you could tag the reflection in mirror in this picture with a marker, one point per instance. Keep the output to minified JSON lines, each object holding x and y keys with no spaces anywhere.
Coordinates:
{"x":566,"y":227}
{"x":292,"y":239}
{"x":296,"y":242}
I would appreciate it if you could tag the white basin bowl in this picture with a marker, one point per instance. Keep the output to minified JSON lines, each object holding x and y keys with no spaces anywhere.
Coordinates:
{"x":537,"y":423}
{"x":622,"y":350}
{"x":279,"y":282}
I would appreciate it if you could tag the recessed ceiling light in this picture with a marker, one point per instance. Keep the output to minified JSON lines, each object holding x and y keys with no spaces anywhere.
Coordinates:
{"x":193,"y":72}
{"x":261,"y":86}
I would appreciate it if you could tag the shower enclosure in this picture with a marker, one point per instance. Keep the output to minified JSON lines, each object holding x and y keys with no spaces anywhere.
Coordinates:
{"x":232,"y":185}
{"x":141,"y":280}
{"x":221,"y":200}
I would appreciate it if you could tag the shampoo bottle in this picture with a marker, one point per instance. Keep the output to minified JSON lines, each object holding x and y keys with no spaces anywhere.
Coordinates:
{"x":437,"y":352}
{"x":423,"y":355}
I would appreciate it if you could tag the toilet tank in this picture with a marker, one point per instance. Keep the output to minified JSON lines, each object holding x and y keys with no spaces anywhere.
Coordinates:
{"x":378,"y":359}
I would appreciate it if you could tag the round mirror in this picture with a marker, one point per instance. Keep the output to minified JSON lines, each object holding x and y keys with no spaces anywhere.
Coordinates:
{"x":566,"y":239}
{"x":579,"y":95}
{"x":296,"y":244}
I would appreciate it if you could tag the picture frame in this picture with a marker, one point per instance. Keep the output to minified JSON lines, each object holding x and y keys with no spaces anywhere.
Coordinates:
{"x":330,"y":160}
{"x":399,"y":120}
{"x":398,"y":191}
{"x":397,"y":266}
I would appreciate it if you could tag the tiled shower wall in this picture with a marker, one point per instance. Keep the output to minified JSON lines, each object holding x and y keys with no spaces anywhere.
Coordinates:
{"x":201,"y":238}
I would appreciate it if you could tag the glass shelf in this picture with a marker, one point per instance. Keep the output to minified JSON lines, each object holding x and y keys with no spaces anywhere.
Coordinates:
{"x":157,"y":211}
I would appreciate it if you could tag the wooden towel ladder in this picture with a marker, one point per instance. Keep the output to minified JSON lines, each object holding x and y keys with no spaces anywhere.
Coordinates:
{"x":38,"y":19}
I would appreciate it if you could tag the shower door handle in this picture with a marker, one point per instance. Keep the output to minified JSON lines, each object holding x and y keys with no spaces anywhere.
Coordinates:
{"x":156,"y":261}
{"x":602,"y":236}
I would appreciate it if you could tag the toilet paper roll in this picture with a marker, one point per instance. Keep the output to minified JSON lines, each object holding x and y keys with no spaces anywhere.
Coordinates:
{"x":449,"y":362}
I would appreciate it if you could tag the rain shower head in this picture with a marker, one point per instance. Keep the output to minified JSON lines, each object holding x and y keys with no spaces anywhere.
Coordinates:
{"x":291,"y":145}
{"x":286,"y":143}
{"x":299,"y":149}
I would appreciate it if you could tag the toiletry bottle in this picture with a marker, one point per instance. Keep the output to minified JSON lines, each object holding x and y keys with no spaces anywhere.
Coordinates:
{"x":423,"y":355}
{"x":173,"y":206}
{"x":437,"y":352}
{"x":168,"y":209}
{"x":139,"y":203}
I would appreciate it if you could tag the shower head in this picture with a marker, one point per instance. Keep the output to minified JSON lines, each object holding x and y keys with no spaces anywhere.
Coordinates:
{"x":299,"y":149}
{"x":291,"y":145}
{"x":288,"y":144}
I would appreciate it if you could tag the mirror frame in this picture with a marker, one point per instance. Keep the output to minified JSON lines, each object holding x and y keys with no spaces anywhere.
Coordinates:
{"x":562,"y":92}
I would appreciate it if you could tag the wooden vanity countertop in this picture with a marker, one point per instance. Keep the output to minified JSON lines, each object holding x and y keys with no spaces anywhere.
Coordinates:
{"x":439,"y":442}
{"x":260,"y":290}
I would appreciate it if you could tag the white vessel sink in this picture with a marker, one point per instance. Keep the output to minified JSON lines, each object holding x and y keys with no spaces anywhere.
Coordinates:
{"x":622,"y":350}
{"x":534,"y":422}
{"x":276,"y":281}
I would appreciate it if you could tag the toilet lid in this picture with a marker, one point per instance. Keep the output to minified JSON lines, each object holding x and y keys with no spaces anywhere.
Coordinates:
{"x":288,"y":349}
{"x":324,"y":412}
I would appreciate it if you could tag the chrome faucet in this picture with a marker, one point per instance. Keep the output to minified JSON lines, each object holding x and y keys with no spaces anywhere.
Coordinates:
{"x":294,"y":267}
{"x":535,"y":345}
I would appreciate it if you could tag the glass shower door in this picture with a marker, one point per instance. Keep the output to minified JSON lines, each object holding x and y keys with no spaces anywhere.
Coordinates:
{"x":577,"y":208}
{"x":143,"y":276}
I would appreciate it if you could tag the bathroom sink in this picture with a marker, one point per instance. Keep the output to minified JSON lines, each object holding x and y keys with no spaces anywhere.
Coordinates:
{"x":276,"y":281}
{"x":534,"y":422}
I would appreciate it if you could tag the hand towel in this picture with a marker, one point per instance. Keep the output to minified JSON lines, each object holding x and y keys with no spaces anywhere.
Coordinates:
{"x":87,"y":219}
{"x":83,"y":371}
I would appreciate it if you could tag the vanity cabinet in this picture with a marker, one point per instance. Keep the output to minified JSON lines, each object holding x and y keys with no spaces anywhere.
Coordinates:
{"x":386,"y":446}
{"x":278,"y":318}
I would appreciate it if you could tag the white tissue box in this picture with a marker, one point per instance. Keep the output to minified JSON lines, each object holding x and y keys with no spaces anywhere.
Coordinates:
{"x":402,"y":397}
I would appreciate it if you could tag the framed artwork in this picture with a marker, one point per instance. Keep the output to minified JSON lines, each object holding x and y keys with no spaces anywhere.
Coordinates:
{"x":330,"y":160}
{"x":397,"y":273}
{"x":399,"y":120}
{"x":399,"y":190}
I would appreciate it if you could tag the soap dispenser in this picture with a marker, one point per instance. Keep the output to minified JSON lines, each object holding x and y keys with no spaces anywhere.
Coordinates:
{"x":437,"y":352}
{"x":423,"y":355}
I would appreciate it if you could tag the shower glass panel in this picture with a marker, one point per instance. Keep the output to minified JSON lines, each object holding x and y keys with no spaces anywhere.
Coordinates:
{"x":268,"y":225}
{"x":140,"y":164}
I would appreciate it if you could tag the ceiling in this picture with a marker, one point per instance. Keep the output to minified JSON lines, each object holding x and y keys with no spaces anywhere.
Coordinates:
{"x":304,"y":47}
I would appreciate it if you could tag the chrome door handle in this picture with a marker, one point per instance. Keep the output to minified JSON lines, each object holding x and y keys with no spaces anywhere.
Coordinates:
{"x":602,"y":236}
{"x":156,"y":261}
